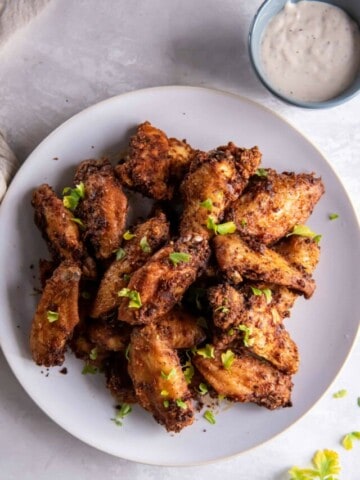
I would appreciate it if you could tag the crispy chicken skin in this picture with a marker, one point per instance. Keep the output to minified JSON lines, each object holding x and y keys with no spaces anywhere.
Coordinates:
{"x":109,"y":334}
{"x":219,"y":177}
{"x":303,"y":253}
{"x":118,"y":380}
{"x":249,"y":379}
{"x":103,"y":210}
{"x":59,"y":230}
{"x":267,"y":336}
{"x":161,"y":284}
{"x":154,"y":163}
{"x":238,"y":260}
{"x":271,"y":206}
{"x":155,"y":370}
{"x":48,"y":340}
{"x":180,"y":329}
{"x":156,"y":232}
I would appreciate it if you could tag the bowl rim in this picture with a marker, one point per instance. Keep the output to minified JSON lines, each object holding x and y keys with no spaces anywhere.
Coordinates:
{"x":333,"y":102}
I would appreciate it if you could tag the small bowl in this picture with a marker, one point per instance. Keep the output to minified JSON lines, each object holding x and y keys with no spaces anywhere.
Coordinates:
{"x":265,"y":13}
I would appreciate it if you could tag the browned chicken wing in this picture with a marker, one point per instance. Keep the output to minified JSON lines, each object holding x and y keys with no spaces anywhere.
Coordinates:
{"x":180,"y":329}
{"x":249,"y":379}
{"x":158,"y":379}
{"x":154,"y":163}
{"x":238,"y":260}
{"x":148,"y":238}
{"x":255,"y":323}
{"x":273,"y":204}
{"x":56,"y":315}
{"x":215,"y":180}
{"x":103,"y":209}
{"x":58,"y":228}
{"x":162,"y":281}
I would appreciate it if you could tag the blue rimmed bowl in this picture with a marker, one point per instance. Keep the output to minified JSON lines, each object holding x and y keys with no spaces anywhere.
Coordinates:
{"x":263,"y":16}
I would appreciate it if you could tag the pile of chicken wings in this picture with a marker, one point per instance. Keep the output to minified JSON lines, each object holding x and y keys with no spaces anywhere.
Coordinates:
{"x":195,"y":294}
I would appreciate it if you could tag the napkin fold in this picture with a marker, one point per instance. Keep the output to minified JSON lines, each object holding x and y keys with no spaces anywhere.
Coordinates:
{"x":8,"y":165}
{"x":14,"y":14}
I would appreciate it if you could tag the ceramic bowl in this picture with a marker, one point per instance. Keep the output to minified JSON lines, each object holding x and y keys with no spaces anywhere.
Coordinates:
{"x":265,"y":13}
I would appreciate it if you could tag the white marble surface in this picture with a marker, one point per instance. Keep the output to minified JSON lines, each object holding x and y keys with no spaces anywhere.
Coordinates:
{"x":77,"y":52}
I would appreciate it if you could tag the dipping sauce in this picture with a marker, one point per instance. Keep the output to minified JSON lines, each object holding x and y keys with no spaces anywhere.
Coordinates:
{"x":310,"y":51}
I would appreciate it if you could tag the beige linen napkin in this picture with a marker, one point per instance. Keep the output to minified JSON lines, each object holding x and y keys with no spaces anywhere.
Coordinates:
{"x":14,"y":14}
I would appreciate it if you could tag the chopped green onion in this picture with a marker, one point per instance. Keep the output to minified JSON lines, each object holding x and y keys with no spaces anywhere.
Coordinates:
{"x":168,"y":376}
{"x":358,"y":401}
{"x":124,"y":410}
{"x":261,"y":172}
{"x":88,"y":368}
{"x":208,"y":204}
{"x":209,"y":416}
{"x":78,"y":221}
{"x":126,"y":277}
{"x":347,"y":441}
{"x":340,"y":394}
{"x":207,"y":352}
{"x":164,"y":393}
{"x":256,"y":291}
{"x":227,"y":359}
{"x":144,"y":245}
{"x":179,"y":257}
{"x":72,"y":196}
{"x":333,"y":216}
{"x":188,"y":371}
{"x":128,"y":235}
{"x":166,"y":403}
{"x":220,"y":228}
{"x":243,"y":222}
{"x":266,"y":291}
{"x":303,"y":231}
{"x":52,"y":316}
{"x":222,"y":309}
{"x":133,"y":295}
{"x":248,"y":342}
{"x":317,"y":238}
{"x":120,"y":254}
{"x":93,"y":354}
{"x":181,"y":404}
{"x":203,"y":389}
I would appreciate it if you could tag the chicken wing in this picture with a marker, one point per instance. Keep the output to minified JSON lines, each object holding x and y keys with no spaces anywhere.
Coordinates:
{"x":58,"y":228}
{"x":238,"y":260}
{"x":148,"y":238}
{"x":154,"y":163}
{"x":273,"y":204}
{"x":162,"y":281}
{"x":109,"y":334}
{"x":255,"y":324}
{"x":56,"y":315}
{"x":180,"y":329}
{"x":159,"y":382}
{"x":215,"y":180}
{"x":249,"y":379}
{"x":103,"y":209}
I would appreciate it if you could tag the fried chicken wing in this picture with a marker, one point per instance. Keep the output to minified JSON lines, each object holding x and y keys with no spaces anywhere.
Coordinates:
{"x":180,"y":329}
{"x":162,"y":281}
{"x":109,"y":334}
{"x":273,"y":204}
{"x":118,"y":380}
{"x":159,"y":382}
{"x":155,"y":232}
{"x":215,"y":180}
{"x":249,"y":379}
{"x":58,"y":228}
{"x":103,"y":209}
{"x":238,"y":260}
{"x":154,"y":163}
{"x":56,"y":315}
{"x":255,"y":324}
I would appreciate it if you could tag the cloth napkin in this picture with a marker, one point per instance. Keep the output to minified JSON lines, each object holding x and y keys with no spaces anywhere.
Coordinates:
{"x":14,"y":14}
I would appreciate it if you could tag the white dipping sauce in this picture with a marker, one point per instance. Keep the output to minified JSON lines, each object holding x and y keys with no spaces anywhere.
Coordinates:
{"x":311,"y":51}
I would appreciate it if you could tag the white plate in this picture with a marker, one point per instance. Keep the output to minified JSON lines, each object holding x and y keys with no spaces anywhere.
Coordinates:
{"x":324,"y":327}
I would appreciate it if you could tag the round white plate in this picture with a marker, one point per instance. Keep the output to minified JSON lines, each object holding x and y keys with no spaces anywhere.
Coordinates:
{"x":324,"y":327}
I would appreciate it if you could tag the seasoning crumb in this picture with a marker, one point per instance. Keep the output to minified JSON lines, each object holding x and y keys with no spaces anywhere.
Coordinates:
{"x":63,"y":371}
{"x":17,"y":326}
{"x":31,"y":266}
{"x":55,"y":158}
{"x":92,"y":146}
